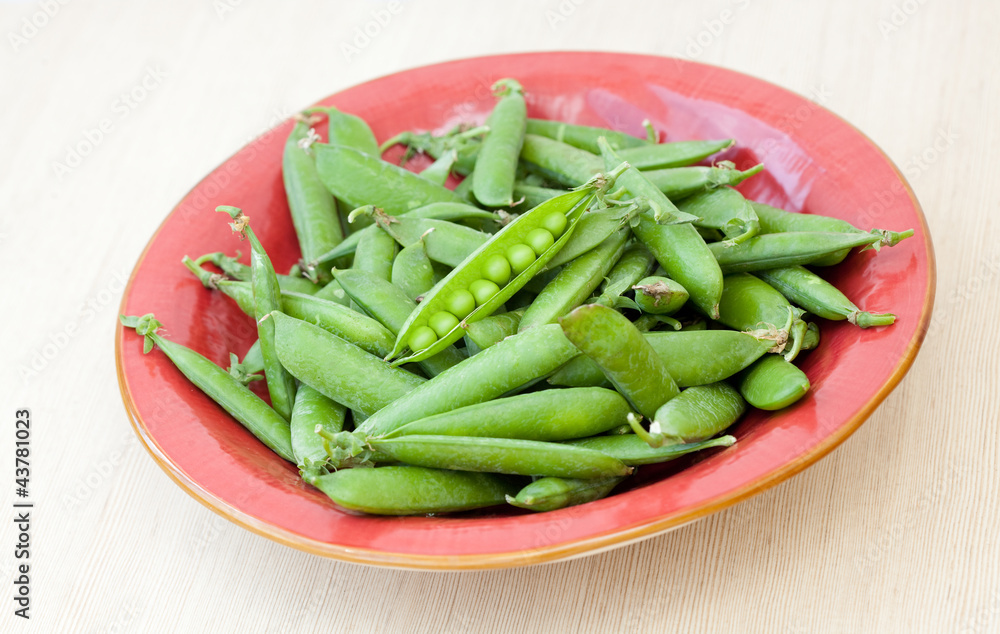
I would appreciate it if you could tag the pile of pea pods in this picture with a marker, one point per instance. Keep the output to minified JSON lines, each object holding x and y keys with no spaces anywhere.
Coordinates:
{"x":582,"y":303}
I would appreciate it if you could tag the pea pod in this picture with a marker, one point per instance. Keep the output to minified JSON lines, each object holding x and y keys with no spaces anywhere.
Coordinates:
{"x":634,"y":451}
{"x":680,"y":182}
{"x":772,"y":383}
{"x":549,"y":494}
{"x":311,"y":409}
{"x":445,"y":242}
{"x":348,"y":130}
{"x":375,"y":253}
{"x":408,"y":490}
{"x":749,"y":303}
{"x":583,"y":137}
{"x":623,"y":354}
{"x":364,"y":332}
{"x":530,"y":196}
{"x":811,"y":292}
{"x":234,"y":397}
{"x":493,"y":329}
{"x":549,"y":415}
{"x":673,"y":154}
{"x":497,"y":160}
{"x":465,"y":142}
{"x":664,"y":211}
{"x":659,"y":295}
{"x":724,"y":209}
{"x":773,"y":250}
{"x":694,"y":415}
{"x":412,"y":272}
{"x":559,"y":162}
{"x":438,"y":171}
{"x":596,"y":226}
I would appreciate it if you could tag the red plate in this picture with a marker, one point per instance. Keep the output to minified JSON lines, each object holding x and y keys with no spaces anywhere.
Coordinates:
{"x":815,"y":163}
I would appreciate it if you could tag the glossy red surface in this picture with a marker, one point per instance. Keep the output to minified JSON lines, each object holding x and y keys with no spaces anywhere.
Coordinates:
{"x":815,"y":163}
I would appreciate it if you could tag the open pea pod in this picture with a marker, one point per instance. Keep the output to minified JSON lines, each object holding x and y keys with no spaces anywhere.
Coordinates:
{"x":436,"y":314}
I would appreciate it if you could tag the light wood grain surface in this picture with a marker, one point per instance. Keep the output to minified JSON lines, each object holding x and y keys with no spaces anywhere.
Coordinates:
{"x":895,"y":531}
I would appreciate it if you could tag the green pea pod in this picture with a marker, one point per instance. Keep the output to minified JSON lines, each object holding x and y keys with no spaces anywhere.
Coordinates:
{"x":267,"y":298}
{"x":775,"y":250}
{"x":375,"y":253}
{"x":634,"y":451}
{"x":749,"y":303}
{"x":351,"y":326}
{"x":359,"y":179}
{"x":408,"y":490}
{"x":389,"y":305}
{"x":694,"y":415}
{"x":510,"y":364}
{"x":348,"y":130}
{"x":559,"y":162}
{"x":337,"y":369}
{"x":583,"y":137}
{"x":819,"y":297}
{"x":550,"y":494}
{"x":652,"y":156}
{"x":442,"y":298}
{"x":235,"y":269}
{"x":659,"y":295}
{"x":664,"y":211}
{"x":234,"y":397}
{"x":626,"y":358}
{"x":497,"y":160}
{"x":724,"y":209}
{"x":413,"y":273}
{"x":500,"y":455}
{"x":549,"y":415}
{"x":575,"y":282}
{"x":445,"y":242}
{"x":311,"y":409}
{"x":493,"y":329}
{"x":772,"y":383}
{"x":680,"y":182}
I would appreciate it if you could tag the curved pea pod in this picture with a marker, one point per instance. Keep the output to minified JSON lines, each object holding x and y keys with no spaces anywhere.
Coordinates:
{"x":364,"y":332}
{"x":672,"y":154}
{"x":412,"y":272}
{"x":235,"y":269}
{"x":500,"y":455}
{"x":559,"y":162}
{"x":772,"y":383}
{"x":359,"y":179}
{"x":774,"y":220}
{"x":696,"y":357}
{"x":497,"y":160}
{"x":234,"y":397}
{"x":549,"y":494}
{"x":549,"y":415}
{"x":634,"y":451}
{"x":574,"y":283}
{"x":659,"y":295}
{"x":375,"y":253}
{"x":726,"y":210}
{"x":593,"y":228}
{"x":749,"y":303}
{"x":664,"y":211}
{"x":389,"y":305}
{"x":443,"y":299}
{"x":696,"y":414}
{"x":623,"y":354}
{"x":493,"y":329}
{"x":773,"y":250}
{"x":819,"y":297}
{"x":583,"y":137}
{"x":408,"y":490}
{"x":311,"y":409}
{"x":337,"y":369}
{"x":510,"y":364}
{"x":680,"y":182}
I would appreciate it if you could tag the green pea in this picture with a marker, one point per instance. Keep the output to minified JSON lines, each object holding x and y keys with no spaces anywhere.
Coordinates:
{"x":539,"y":240}
{"x":520,"y":257}
{"x":554,"y":223}
{"x":496,"y":269}
{"x":483,"y":290}
{"x":442,"y":323}
{"x":422,"y":337}
{"x":460,"y":303}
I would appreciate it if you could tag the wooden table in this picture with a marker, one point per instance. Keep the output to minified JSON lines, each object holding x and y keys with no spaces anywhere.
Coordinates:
{"x":892,"y":532}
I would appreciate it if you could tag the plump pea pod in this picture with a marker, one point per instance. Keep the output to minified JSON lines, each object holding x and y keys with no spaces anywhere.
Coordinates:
{"x":408,"y":490}
{"x":438,"y":171}
{"x":819,"y":297}
{"x":664,"y":211}
{"x":772,"y":383}
{"x":595,"y":227}
{"x":680,"y":182}
{"x":694,"y":415}
{"x":530,"y":196}
{"x":583,"y":137}
{"x":500,"y":455}
{"x":464,"y":142}
{"x":497,"y":160}
{"x":267,"y":298}
{"x":359,"y":179}
{"x":548,"y":415}
{"x":351,"y":326}
{"x":559,"y":162}
{"x":510,"y":364}
{"x":623,"y":354}
{"x":348,"y":130}
{"x":234,"y":397}
{"x":550,"y":494}
{"x":773,"y":250}
{"x":658,"y":295}
{"x":575,"y":282}
{"x":634,"y":451}
{"x":634,"y":264}
{"x":448,"y":297}
{"x":494,"y":329}
{"x":695,"y":357}
{"x":235,"y":269}
{"x":674,"y":154}
{"x":375,"y":253}
{"x":749,"y":303}
{"x":438,"y":211}
{"x":774,"y":220}
{"x":445,"y":242}
{"x":724,"y":209}
{"x":313,"y":209}
{"x":412,"y":272}
{"x":311,"y":409}
{"x":337,"y":369}
{"x":390,"y":306}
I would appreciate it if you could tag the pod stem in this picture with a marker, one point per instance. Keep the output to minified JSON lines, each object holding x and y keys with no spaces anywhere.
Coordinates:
{"x":796,"y":334}
{"x":345,"y":449}
{"x":145,"y":326}
{"x":238,"y":371}
{"x":207,"y":278}
{"x":653,"y":437}
{"x":864,"y":319}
